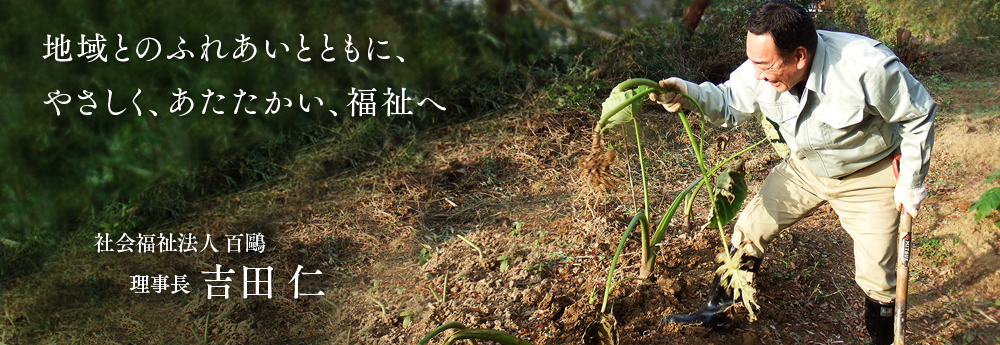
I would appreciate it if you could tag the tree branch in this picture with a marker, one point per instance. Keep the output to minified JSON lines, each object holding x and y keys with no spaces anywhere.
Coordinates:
{"x":566,"y":23}
{"x":9,"y":242}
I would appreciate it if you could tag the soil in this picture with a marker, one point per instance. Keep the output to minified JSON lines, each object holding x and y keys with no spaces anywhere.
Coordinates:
{"x":536,"y":249}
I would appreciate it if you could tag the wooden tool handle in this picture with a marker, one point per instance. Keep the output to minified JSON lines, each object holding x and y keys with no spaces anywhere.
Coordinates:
{"x":902,"y":276}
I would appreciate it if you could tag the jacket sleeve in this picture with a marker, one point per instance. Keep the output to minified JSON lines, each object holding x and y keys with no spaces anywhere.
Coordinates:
{"x":730,"y":103}
{"x":894,"y":94}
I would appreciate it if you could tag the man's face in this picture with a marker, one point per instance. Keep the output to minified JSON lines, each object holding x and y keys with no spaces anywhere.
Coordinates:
{"x":769,"y":65}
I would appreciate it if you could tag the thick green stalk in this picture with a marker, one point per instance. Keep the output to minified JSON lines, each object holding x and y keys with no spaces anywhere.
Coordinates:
{"x":689,"y":202}
{"x":662,"y":227}
{"x":695,"y":186}
{"x":628,"y":84}
{"x":700,"y":148}
{"x":485,"y":334}
{"x":645,"y":198}
{"x":614,"y":259}
{"x":704,"y":170}
{"x":694,"y":144}
{"x":711,"y":194}
{"x":442,"y":328}
{"x":649,"y":244}
{"x":712,"y":172}
{"x":700,"y":155}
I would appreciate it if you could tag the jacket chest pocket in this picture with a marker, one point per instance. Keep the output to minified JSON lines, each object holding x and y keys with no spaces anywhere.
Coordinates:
{"x":844,"y":128}
{"x":784,"y":114}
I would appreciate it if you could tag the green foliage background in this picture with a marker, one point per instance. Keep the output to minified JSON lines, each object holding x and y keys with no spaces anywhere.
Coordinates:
{"x":56,"y":169}
{"x":975,"y":21}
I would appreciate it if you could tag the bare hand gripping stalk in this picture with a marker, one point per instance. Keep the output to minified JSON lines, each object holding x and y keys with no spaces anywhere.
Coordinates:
{"x":845,"y":105}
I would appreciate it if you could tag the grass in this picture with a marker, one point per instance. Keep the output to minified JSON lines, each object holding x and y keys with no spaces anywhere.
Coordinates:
{"x":443,"y":297}
{"x":932,"y":249}
{"x":204,"y":333}
{"x":977,"y":99}
{"x":425,"y":254}
{"x":504,"y":262}
{"x":473,"y":245}
{"x":379,"y":304}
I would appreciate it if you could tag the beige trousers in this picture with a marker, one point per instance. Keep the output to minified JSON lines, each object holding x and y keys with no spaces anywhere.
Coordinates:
{"x":862,"y":200}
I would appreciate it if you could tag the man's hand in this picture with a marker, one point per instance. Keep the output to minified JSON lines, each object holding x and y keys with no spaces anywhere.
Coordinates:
{"x":672,"y":101}
{"x":910,"y":198}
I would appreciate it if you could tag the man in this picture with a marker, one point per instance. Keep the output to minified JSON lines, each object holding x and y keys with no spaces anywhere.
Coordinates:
{"x":845,"y":105}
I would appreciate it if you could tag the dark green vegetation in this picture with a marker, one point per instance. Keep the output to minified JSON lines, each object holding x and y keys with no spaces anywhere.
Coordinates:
{"x":59,"y":170}
{"x":990,"y":200}
{"x":973,"y":21}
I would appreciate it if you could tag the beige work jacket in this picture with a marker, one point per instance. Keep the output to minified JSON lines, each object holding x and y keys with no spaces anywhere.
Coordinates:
{"x":859,"y":104}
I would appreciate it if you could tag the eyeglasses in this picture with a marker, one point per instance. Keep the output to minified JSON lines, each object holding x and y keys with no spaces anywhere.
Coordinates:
{"x":772,"y":66}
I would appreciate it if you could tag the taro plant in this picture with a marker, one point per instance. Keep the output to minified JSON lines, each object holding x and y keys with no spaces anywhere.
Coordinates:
{"x":990,"y":200}
{"x":725,"y":196}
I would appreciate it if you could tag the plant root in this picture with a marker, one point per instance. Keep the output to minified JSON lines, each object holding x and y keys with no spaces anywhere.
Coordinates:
{"x":595,"y":167}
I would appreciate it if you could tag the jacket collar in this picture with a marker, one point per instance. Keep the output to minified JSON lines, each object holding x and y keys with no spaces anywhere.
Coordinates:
{"x":815,"y":80}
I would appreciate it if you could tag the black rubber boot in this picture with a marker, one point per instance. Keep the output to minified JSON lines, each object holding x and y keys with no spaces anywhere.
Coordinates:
{"x":879,"y":319}
{"x":713,"y":314}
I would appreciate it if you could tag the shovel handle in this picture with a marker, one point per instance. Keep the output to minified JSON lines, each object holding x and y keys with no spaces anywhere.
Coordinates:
{"x":902,"y":265}
{"x":902,"y":276}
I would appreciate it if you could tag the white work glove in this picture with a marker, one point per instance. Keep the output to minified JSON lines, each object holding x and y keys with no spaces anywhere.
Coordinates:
{"x":909,"y":197}
{"x":670,"y":100}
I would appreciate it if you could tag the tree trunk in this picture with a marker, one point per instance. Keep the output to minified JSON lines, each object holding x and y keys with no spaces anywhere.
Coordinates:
{"x":692,"y":16}
{"x":906,"y":46}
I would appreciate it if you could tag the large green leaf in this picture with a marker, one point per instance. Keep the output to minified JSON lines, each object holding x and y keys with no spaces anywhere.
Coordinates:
{"x":996,"y":174}
{"x":989,"y":201}
{"x":730,"y":192}
{"x":616,"y":100}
